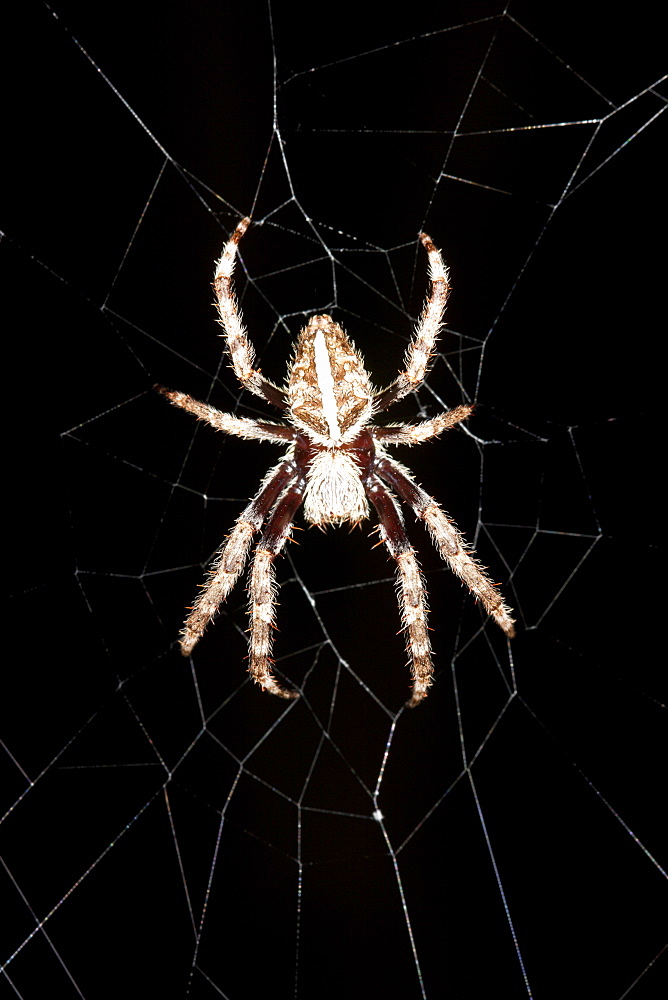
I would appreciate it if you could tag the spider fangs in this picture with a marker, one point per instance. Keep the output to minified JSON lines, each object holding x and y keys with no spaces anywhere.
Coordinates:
{"x":335,"y":464}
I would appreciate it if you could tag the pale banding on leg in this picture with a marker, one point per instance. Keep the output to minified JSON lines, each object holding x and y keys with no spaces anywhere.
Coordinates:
{"x":413,"y":603}
{"x":262,"y":611}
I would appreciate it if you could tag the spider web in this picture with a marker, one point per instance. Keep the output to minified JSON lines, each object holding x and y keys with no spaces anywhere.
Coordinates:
{"x":169,"y":831}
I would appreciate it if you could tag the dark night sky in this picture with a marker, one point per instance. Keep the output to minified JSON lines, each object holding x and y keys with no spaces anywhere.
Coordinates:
{"x":184,"y":834}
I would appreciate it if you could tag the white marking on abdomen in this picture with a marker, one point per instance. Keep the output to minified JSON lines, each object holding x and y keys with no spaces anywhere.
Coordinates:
{"x":323,"y":371}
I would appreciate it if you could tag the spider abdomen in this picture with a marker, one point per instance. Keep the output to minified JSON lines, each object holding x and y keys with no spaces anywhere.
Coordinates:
{"x":329,"y":391}
{"x":334,"y":491}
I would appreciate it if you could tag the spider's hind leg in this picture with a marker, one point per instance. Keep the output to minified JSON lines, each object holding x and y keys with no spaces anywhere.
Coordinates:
{"x":239,"y":346}
{"x":421,"y":348}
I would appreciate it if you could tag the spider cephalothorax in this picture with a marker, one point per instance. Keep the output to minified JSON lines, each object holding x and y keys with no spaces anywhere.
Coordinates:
{"x":336,"y":464}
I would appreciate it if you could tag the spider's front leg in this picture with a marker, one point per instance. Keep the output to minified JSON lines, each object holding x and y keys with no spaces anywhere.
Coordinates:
{"x":449,"y":542}
{"x":412,"y":599}
{"x":263,"y":588}
{"x":232,"y":557}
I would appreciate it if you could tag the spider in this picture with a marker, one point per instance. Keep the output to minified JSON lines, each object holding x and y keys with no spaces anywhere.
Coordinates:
{"x":336,"y":464}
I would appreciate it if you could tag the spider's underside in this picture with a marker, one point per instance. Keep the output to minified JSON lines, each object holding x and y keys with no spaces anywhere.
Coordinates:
{"x":336,"y":463}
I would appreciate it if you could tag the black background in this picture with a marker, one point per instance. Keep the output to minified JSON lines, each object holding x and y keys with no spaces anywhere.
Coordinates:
{"x":169,"y":831}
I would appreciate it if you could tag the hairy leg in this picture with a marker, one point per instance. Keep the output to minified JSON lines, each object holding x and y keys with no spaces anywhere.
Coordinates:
{"x":232,"y":556}
{"x":243,"y":427}
{"x":240,"y":348}
{"x":421,"y":347}
{"x":423,"y":431}
{"x":263,"y":589}
{"x":449,"y":543}
{"x":412,"y":597}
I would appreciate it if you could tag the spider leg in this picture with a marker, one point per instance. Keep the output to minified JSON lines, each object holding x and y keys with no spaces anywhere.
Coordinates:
{"x":232,"y":556}
{"x":412,"y":597}
{"x":449,"y":542}
{"x":421,"y":347}
{"x":241,"y":350}
{"x":263,"y":588}
{"x":260,"y":430}
{"x":423,"y":431}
